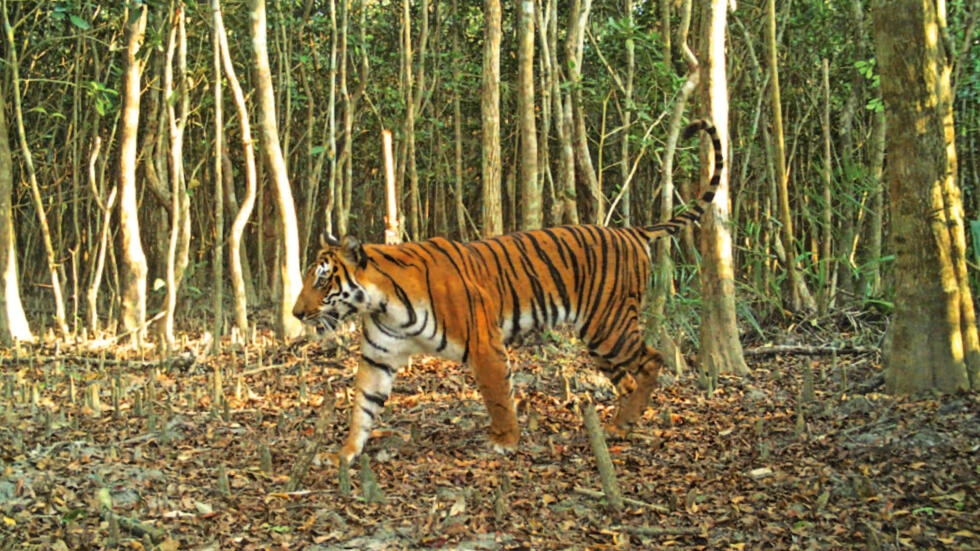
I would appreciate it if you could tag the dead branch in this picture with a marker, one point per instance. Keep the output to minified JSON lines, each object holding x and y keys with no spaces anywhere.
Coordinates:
{"x":607,"y":475}
{"x":805,"y":350}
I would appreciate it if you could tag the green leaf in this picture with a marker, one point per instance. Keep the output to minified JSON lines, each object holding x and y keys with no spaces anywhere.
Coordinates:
{"x":79,"y":22}
{"x":975,"y":229}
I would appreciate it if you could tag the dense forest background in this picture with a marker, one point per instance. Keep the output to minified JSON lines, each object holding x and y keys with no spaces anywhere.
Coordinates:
{"x":344,"y":71}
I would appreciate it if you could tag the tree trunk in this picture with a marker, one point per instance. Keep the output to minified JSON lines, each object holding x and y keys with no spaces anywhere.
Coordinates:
{"x":493,"y":222}
{"x":932,"y":340}
{"x":218,"y":256}
{"x":179,"y":245}
{"x":721,"y":350}
{"x":59,"y":302}
{"x":530,"y":185}
{"x":133,"y":267}
{"x":290,"y":275}
{"x":235,"y":265}
{"x":595,"y":209}
{"x":782,"y":177}
{"x":13,"y":322}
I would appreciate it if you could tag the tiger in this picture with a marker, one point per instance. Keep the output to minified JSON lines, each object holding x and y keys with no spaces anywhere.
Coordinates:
{"x":466,"y":301}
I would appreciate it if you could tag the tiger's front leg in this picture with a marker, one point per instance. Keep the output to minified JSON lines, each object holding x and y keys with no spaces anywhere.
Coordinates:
{"x":491,"y":368}
{"x":373,"y":386}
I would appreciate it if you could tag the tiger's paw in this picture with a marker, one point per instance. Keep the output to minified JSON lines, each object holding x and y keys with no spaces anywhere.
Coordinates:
{"x":505,"y":443}
{"x":617,"y":432}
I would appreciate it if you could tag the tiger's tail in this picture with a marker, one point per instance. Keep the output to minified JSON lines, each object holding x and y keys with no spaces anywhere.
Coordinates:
{"x":696,"y":210}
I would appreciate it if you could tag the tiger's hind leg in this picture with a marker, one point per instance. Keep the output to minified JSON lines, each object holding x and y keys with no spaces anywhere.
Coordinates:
{"x":491,"y":369}
{"x":633,"y":366}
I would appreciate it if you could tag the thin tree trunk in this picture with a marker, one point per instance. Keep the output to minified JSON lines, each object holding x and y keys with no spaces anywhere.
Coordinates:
{"x":290,"y":276}
{"x":721,"y":350}
{"x":218,"y":258}
{"x":248,"y":202}
{"x":663,"y":284}
{"x":825,"y":293}
{"x":782,"y":178}
{"x":177,"y":252}
{"x":133,"y":268}
{"x":59,"y":302}
{"x":530,"y":185}
{"x":493,"y":223}
{"x":574,"y":47}
{"x":624,"y":148}
{"x":13,"y":321}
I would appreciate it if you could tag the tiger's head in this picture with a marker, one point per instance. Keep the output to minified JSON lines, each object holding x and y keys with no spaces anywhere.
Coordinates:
{"x":331,"y":292}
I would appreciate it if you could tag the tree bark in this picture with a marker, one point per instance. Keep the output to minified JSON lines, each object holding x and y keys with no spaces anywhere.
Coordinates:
{"x":59,"y":302}
{"x":235,"y":265}
{"x":290,"y":275}
{"x":493,"y":222}
{"x":133,"y":268}
{"x":932,"y":340}
{"x":721,"y":350}
{"x":530,"y":185}
{"x":796,"y":302}
{"x":13,"y":322}
{"x":574,"y":48}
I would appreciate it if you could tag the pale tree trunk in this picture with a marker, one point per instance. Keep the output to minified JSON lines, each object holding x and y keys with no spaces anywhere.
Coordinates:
{"x":877,"y":208}
{"x":547,"y":83}
{"x":59,"y":302}
{"x":13,"y":322}
{"x":932,"y":341}
{"x":408,"y":85}
{"x":290,"y":275}
{"x":235,"y":265}
{"x":663,"y":281}
{"x":798,"y":296}
{"x":825,"y":294}
{"x":566,"y":205}
{"x":458,"y":129}
{"x":627,"y":110}
{"x":493,"y":221}
{"x":92,"y":293}
{"x":574,"y":46}
{"x":721,"y":350}
{"x":180,"y":222}
{"x":133,"y":268}
{"x":530,"y":185}
{"x":218,"y":256}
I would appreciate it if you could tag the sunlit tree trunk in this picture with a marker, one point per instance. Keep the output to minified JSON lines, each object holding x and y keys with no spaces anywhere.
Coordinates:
{"x":931,"y":342}
{"x":132,"y":268}
{"x":235,"y":264}
{"x":13,"y":322}
{"x":566,"y":204}
{"x":493,"y":222}
{"x":794,"y":279}
{"x":530,"y":185}
{"x":180,"y":226}
{"x":663,"y":269}
{"x":59,"y":301}
{"x":574,"y":46}
{"x":290,"y":276}
{"x":627,"y":115}
{"x":218,"y":256}
{"x":721,"y":350}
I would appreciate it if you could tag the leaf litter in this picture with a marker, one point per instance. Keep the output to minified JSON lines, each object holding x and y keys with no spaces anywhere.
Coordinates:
{"x":803,"y":453}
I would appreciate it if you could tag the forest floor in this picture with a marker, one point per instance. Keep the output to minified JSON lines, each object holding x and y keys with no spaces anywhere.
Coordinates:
{"x":805,"y":452}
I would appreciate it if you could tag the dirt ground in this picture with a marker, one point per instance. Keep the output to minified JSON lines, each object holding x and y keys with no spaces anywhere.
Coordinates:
{"x":803,"y":453}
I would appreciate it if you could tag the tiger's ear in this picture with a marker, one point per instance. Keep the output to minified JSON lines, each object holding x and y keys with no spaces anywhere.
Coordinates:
{"x":353,"y":251}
